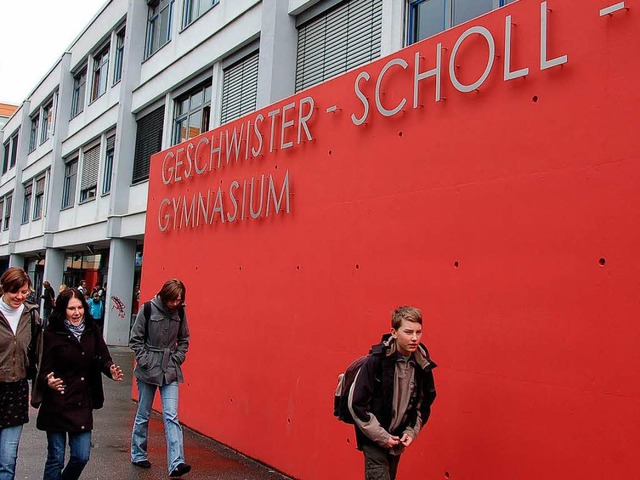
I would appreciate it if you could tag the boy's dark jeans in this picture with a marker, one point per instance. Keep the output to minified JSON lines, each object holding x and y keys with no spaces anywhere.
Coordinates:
{"x":379,"y":464}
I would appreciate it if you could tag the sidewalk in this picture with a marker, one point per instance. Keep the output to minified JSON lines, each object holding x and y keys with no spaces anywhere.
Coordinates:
{"x":111,"y":442}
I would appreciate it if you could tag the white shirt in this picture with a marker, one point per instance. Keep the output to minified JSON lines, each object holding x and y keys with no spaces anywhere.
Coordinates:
{"x":11,"y":314}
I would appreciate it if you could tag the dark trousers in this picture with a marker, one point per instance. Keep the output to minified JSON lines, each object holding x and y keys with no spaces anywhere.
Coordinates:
{"x":379,"y":464}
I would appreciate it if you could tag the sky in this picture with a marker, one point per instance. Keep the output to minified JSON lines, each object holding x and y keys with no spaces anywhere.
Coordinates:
{"x":33,"y":36}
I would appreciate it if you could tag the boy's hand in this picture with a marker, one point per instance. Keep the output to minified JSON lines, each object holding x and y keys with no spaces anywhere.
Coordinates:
{"x":406,"y":440}
{"x":392,"y":442}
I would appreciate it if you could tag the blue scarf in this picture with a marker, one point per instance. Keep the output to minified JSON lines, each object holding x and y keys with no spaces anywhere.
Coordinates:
{"x":75,"y":329}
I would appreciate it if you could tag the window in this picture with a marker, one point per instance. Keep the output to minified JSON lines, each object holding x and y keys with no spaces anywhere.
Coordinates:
{"x":26,"y":204}
{"x":100,"y":74}
{"x":158,"y":25}
{"x":148,"y":142}
{"x":69,"y":186}
{"x":192,"y":113}
{"x":119,"y":58}
{"x":193,"y":9}
{"x":240,"y":88}
{"x":7,"y":212}
{"x":38,"y":201}
{"x":338,"y":40}
{"x":1,"y":210}
{"x":5,"y":158}
{"x":428,"y":17}
{"x":79,"y":86}
{"x":89,"y":180}
{"x":14,"y":150}
{"x":47,"y":122}
{"x":10,"y":155}
{"x":108,"y":165}
{"x":33,"y":135}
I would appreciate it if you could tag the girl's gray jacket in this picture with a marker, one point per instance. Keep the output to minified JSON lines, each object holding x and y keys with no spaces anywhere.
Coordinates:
{"x":161,"y":350}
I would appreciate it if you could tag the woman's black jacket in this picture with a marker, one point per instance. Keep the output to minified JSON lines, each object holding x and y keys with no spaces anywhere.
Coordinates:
{"x":79,"y":364}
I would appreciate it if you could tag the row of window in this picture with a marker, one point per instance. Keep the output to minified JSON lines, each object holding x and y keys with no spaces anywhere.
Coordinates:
{"x":90,"y":173}
{"x":99,"y":75}
{"x":160,"y":19}
{"x":332,"y":42}
{"x":429,"y":17}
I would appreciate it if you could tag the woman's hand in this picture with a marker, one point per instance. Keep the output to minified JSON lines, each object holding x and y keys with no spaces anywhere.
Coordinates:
{"x":116,"y":373}
{"x":55,"y":383}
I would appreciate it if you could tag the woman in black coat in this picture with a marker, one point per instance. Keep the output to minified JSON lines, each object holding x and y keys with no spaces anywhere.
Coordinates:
{"x":74,"y":356}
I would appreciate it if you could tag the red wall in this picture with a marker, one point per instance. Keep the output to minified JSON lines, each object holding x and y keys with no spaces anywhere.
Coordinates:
{"x":510,"y":215}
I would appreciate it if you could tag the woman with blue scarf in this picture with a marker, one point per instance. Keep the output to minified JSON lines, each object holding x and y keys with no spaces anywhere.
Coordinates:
{"x":74,"y":357}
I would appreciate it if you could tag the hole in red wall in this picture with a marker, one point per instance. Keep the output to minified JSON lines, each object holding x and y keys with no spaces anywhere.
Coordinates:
{"x":400,"y":134}
{"x":357,"y":266}
{"x":330,"y":152}
{"x":297,"y":267}
{"x":602,"y":262}
{"x":348,"y":440}
{"x":240,"y":268}
{"x":288,"y":420}
{"x":446,"y":475}
{"x":534,"y":99}
{"x":456,"y":264}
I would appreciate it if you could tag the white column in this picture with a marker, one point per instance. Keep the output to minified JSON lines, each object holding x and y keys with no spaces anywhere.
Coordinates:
{"x":278,"y":46}
{"x":54,"y":267}
{"x":16,"y":260}
{"x":122,"y":257}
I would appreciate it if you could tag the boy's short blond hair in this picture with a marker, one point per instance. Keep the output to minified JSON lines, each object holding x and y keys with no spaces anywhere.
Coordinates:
{"x":410,"y":314}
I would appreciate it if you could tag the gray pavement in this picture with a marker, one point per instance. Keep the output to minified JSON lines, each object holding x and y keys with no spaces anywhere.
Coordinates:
{"x":111,"y":438}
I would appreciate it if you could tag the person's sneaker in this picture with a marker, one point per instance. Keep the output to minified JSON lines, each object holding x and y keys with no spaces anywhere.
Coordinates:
{"x":142,"y":463}
{"x":180,"y":470}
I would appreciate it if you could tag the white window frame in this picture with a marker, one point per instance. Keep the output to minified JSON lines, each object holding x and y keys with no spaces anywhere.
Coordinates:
{"x":79,"y":92}
{"x":100,"y":73}
{"x":159,"y":10}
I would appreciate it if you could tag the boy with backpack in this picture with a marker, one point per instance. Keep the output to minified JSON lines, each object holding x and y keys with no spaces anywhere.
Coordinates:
{"x":391,"y":395}
{"x":160,"y":341}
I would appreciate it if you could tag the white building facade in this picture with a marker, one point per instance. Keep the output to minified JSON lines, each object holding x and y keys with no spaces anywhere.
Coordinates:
{"x":145,"y":75}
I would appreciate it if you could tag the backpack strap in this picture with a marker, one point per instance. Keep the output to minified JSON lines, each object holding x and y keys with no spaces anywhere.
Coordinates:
{"x":146,"y":310}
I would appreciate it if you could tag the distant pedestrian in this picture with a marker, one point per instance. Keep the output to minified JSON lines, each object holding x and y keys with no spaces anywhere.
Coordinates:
{"x":96,"y":309}
{"x":73,"y":359}
{"x":160,"y":340}
{"x":391,"y":396}
{"x":49,"y":299}
{"x":62,"y":288}
{"x":15,"y":337}
{"x":83,"y":288}
{"x":99,"y":290}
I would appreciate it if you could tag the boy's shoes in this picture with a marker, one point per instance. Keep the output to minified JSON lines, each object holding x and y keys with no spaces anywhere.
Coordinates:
{"x":142,"y":463}
{"x":180,"y":470}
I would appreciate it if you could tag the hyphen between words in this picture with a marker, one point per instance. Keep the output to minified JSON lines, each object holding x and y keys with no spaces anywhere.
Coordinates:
{"x":247,"y":141}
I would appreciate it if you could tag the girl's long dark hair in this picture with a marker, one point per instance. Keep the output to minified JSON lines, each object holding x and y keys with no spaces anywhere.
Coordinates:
{"x":59,"y":312}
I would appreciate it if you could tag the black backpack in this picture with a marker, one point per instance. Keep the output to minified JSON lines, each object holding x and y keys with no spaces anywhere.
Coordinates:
{"x":341,"y":397}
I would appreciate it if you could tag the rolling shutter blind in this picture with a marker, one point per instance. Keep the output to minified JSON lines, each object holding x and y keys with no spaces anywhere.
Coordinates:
{"x":111,"y":142}
{"x":40,"y":186}
{"x":148,"y":142}
{"x":337,"y":41}
{"x":239,"y":89}
{"x":90,"y":166}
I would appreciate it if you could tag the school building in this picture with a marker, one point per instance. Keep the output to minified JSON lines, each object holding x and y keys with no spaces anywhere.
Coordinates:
{"x":307,"y":166}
